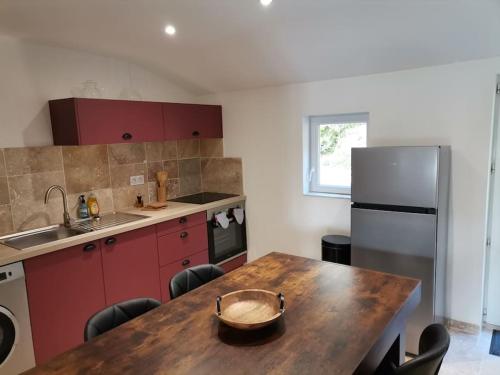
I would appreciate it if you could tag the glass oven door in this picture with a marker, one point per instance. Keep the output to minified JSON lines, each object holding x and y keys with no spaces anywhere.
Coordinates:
{"x":226,"y":243}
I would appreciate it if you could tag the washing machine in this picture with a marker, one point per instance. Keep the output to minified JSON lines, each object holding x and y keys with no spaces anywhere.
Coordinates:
{"x":16,"y":344}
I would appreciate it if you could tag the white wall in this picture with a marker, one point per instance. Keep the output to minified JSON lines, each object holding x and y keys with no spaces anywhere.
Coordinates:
{"x":31,"y":74}
{"x":449,"y":104}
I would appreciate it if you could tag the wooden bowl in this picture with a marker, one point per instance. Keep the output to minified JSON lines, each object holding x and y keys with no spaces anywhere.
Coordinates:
{"x":250,"y":309}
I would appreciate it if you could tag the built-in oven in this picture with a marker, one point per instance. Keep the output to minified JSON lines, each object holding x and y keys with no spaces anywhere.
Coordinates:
{"x":227,"y":236}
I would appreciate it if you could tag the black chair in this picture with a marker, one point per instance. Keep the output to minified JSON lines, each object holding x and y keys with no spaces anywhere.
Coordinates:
{"x":432,"y":347}
{"x":192,"y":278}
{"x":113,"y":316}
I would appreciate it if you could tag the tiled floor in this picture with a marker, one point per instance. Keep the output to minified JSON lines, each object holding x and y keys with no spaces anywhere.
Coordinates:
{"x":469,"y":354}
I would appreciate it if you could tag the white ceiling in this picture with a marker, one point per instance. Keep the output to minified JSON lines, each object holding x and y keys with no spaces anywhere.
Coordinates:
{"x":226,"y":45}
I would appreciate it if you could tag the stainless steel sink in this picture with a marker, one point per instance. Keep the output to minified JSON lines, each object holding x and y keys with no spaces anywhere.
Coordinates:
{"x":24,"y":240}
{"x":41,"y":236}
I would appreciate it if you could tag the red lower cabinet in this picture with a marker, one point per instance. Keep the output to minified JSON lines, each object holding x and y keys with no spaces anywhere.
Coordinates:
{"x":167,"y":272}
{"x":130,"y":265}
{"x":234,"y":263}
{"x":65,"y":289}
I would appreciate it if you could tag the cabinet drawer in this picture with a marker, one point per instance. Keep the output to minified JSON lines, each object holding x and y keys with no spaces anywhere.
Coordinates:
{"x":181,"y":223}
{"x":167,"y":272}
{"x":178,"y":245}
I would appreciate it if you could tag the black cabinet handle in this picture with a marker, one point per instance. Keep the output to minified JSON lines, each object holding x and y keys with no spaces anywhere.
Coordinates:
{"x":110,"y":241}
{"x":127,"y":136}
{"x":89,"y":247}
{"x":184,"y":235}
{"x":186,"y":262}
{"x":196,"y":133}
{"x":183,"y":220}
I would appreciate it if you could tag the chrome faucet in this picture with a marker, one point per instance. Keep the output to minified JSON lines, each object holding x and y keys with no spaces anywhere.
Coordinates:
{"x":67,"y":218}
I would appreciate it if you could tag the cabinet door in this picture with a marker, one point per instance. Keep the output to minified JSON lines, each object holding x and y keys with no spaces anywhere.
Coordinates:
{"x":167,"y":272}
{"x":185,"y":121}
{"x":102,"y":121}
{"x":130,"y":264}
{"x":65,"y":289}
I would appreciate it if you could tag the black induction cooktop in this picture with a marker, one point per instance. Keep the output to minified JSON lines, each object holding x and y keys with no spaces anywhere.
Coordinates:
{"x":202,"y":198}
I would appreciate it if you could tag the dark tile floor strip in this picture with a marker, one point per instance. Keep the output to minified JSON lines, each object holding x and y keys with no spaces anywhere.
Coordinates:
{"x":495,"y":343}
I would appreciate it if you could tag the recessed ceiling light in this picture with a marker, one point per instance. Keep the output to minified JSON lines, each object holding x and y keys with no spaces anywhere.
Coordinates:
{"x":266,"y":2}
{"x":170,"y":30}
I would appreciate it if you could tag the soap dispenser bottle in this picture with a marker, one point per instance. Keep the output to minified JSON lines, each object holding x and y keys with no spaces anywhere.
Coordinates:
{"x":93,"y":205}
{"x":83,"y":210}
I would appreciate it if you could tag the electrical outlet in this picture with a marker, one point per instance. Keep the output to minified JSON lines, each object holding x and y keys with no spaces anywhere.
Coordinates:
{"x":137,"y":180}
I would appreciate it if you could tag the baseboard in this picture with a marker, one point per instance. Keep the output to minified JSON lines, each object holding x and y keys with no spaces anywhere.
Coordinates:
{"x":472,"y":329}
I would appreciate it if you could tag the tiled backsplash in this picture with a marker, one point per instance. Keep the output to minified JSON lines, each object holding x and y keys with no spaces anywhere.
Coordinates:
{"x":26,"y":173}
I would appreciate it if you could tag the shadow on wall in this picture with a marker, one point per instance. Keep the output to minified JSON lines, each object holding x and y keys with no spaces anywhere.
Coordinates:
{"x":449,"y":260}
{"x":40,"y":124}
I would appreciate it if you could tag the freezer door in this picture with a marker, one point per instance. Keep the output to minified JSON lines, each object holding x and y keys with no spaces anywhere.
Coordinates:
{"x":400,"y":243}
{"x":400,"y":176}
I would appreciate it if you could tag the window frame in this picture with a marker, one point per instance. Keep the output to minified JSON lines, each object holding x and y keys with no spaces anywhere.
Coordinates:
{"x":312,"y":185}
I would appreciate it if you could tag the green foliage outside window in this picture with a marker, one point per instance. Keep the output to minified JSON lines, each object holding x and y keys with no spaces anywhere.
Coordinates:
{"x":330,"y":136}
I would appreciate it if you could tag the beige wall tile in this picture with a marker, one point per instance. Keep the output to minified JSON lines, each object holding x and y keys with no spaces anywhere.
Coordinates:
{"x":127,"y":153}
{"x":32,"y":187}
{"x":173,"y":188}
{"x":189,"y":176}
{"x":125,"y":198}
{"x":211,"y":148}
{"x":154,"y":151}
{"x":152,"y":194}
{"x":172,"y":168}
{"x":104,"y":198}
{"x":154,"y":167}
{"x":35,"y":214}
{"x":86,"y":168}
{"x":6,"y":226}
{"x":188,"y":148}
{"x":32,"y":160}
{"x":120,"y":174}
{"x":222,"y":175}
{"x":169,"y":151}
{"x":4,"y":191}
{"x":3,"y":171}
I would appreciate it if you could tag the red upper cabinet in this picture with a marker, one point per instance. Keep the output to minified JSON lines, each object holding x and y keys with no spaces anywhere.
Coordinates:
{"x":130,"y":265}
{"x":77,"y":121}
{"x":185,"y":121}
{"x":65,"y":289}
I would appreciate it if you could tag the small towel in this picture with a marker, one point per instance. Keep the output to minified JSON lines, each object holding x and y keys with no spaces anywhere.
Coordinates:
{"x":239,"y":215}
{"x":222,"y":219}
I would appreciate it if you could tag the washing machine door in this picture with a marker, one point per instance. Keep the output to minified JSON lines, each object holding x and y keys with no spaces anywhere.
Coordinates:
{"x":9,"y":332}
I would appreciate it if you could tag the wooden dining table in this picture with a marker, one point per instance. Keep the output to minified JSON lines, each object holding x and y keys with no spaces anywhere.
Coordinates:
{"x":338,"y":320}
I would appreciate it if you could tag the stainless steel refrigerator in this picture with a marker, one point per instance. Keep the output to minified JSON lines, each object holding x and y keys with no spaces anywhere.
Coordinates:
{"x":399,"y":221}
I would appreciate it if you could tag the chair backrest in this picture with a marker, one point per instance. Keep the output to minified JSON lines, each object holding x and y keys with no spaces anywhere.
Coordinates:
{"x":192,"y":278}
{"x":433,"y":345}
{"x":116,"y":315}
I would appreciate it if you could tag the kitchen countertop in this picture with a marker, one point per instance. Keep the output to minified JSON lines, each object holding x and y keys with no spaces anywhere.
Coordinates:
{"x":173,"y":211}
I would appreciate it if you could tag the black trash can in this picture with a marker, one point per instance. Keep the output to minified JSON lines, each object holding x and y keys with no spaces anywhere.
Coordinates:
{"x":336,"y":249}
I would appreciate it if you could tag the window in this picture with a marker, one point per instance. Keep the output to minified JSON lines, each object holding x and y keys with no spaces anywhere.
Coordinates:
{"x":330,"y":140}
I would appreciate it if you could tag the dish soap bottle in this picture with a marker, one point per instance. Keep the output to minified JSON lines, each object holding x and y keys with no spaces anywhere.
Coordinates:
{"x":83,"y":210}
{"x":93,"y":205}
